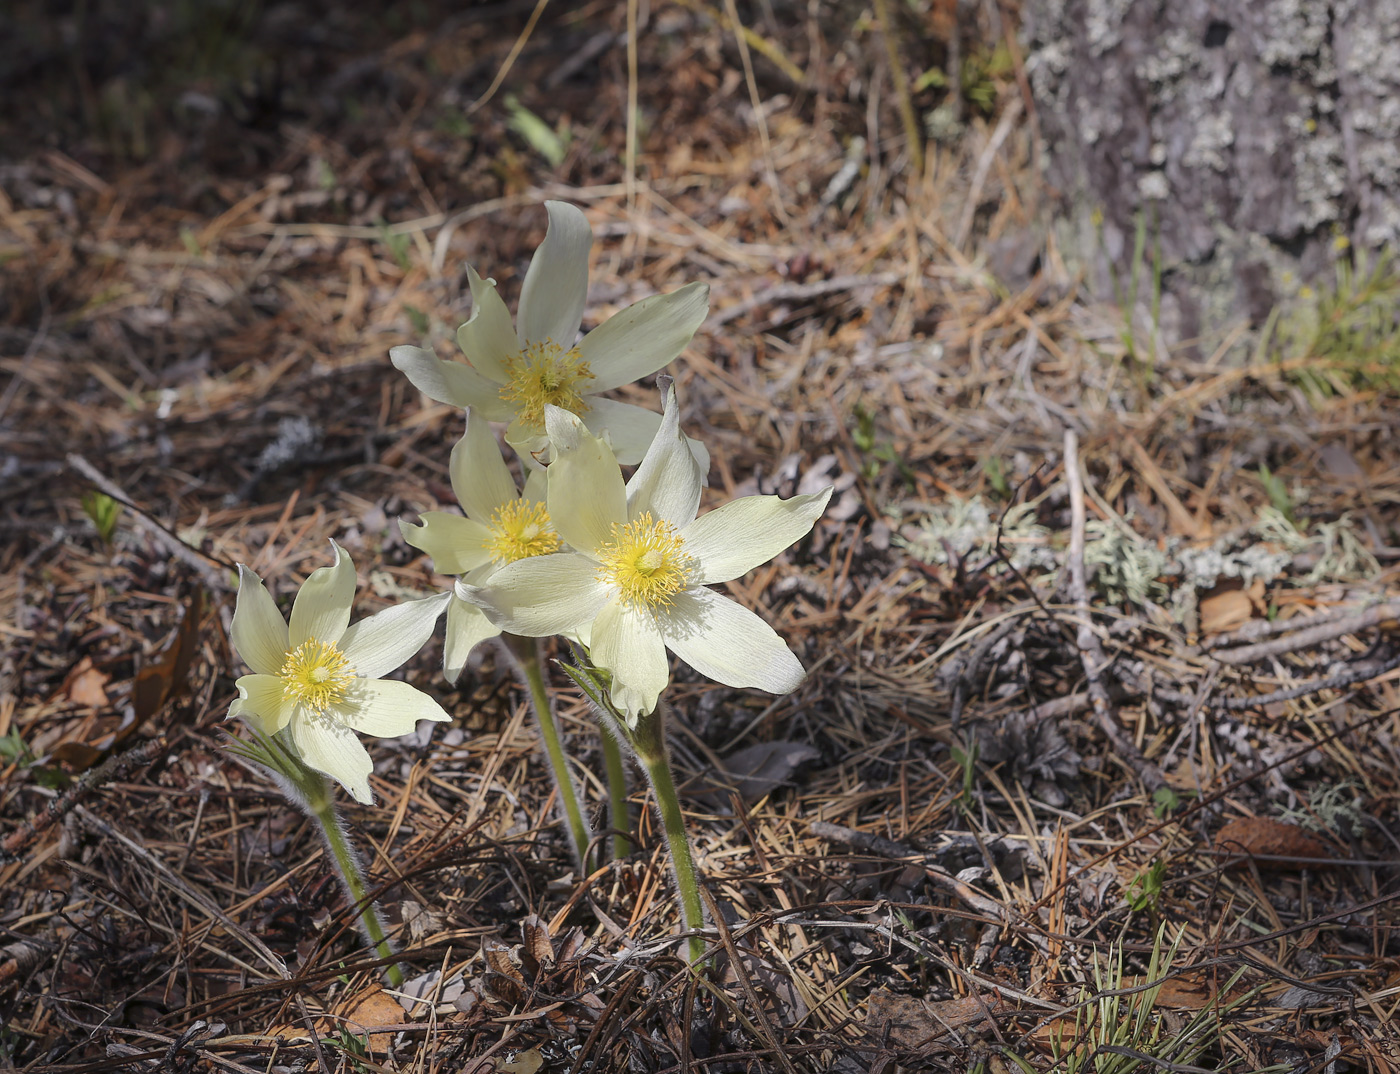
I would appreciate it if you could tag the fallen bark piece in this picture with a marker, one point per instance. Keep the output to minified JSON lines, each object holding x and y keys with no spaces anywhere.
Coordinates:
{"x":1274,"y":844}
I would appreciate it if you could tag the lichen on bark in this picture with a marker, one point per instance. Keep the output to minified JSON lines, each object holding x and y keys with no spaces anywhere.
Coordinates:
{"x":1253,"y":135}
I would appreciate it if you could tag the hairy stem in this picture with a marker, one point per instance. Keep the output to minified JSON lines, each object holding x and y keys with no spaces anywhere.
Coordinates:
{"x":526,"y":652}
{"x":649,"y":740}
{"x":321,"y":805}
{"x":617,"y":795}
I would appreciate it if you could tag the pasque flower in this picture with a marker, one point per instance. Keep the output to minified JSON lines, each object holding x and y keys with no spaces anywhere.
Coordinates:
{"x":513,"y":375}
{"x":319,"y":678}
{"x":635,"y":580}
{"x":502,"y":525}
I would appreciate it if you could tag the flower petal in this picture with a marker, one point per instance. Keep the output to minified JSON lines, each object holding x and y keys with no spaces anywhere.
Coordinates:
{"x":668,"y":482}
{"x":377,"y":645}
{"x":322,"y":607}
{"x":541,"y":596}
{"x":387,"y":708}
{"x":451,"y":382}
{"x":556,"y":283}
{"x":631,"y":429}
{"x":488,"y":338}
{"x":637,"y":341}
{"x":734,"y":539}
{"x":260,"y":702}
{"x":586,"y":496}
{"x":480,"y":477}
{"x":628,"y":644}
{"x":456,"y":544}
{"x":528,"y":442}
{"x":467,"y":627}
{"x":259,"y":632}
{"x":330,"y":746}
{"x":728,"y":643}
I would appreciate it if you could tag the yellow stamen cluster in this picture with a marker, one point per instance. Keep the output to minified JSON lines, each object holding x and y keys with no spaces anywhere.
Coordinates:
{"x":316,"y":675}
{"x":545,"y":374}
{"x":521,"y":529}
{"x":646,"y":560}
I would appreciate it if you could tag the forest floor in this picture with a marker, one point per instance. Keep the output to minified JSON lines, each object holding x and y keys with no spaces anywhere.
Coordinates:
{"x":1097,"y":765}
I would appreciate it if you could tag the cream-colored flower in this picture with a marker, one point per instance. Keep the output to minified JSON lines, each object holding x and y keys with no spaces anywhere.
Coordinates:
{"x":637,"y":578}
{"x":514,"y":375}
{"x":501,"y":526}
{"x":320,"y":677}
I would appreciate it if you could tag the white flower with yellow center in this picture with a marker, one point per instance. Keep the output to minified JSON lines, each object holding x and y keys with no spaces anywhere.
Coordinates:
{"x":513,"y":376}
{"x":320,"y":677}
{"x":636,"y":580}
{"x":501,"y":526}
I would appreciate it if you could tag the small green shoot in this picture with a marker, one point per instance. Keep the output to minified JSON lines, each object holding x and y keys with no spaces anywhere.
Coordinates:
{"x":1167,"y":800}
{"x":191,"y":242}
{"x":417,"y":318}
{"x":1277,"y":491}
{"x":879,"y":452}
{"x":995,"y":473}
{"x":14,"y":750}
{"x":104,"y":512}
{"x":397,"y":244}
{"x":1145,"y":890}
{"x":539,"y":135}
{"x":966,"y":759}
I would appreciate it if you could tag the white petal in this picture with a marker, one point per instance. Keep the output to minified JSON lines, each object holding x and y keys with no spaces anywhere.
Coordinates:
{"x":535,"y":485}
{"x":734,"y":539}
{"x":480,"y":477}
{"x":527,"y":442}
{"x":456,"y":544}
{"x":388,"y":709}
{"x":668,"y":482}
{"x":451,"y":382}
{"x":728,"y":643}
{"x":377,"y":645}
{"x":631,"y":429}
{"x":586,"y":496}
{"x":542,"y":595}
{"x":259,"y":632}
{"x":488,"y":338}
{"x":329,"y":746}
{"x":322,"y":607}
{"x":556,"y":283}
{"x":639,"y":340}
{"x":628,"y":644}
{"x":260,"y":702}
{"x":467,"y":627}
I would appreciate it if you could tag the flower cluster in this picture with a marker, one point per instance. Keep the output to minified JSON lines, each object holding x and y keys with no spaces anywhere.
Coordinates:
{"x":619,"y":565}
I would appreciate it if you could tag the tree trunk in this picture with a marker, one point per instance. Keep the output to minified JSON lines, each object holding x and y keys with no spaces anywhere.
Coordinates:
{"x":1256,"y":139}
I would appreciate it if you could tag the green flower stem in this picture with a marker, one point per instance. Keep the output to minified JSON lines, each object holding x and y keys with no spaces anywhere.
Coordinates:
{"x":649,"y":740}
{"x":321,"y":804}
{"x":527,"y":654}
{"x":617,"y":795}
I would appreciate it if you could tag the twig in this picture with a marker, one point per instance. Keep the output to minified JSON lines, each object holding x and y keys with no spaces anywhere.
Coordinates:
{"x":1362,"y":673}
{"x":1091,"y":653}
{"x":799,"y":292}
{"x":114,"y":767}
{"x":1315,"y":635}
{"x":984,"y":165}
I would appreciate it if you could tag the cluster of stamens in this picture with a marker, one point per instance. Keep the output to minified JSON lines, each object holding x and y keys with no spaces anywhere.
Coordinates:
{"x":647,"y":562}
{"x":316,"y":676}
{"x":521,"y":529}
{"x":545,"y":374}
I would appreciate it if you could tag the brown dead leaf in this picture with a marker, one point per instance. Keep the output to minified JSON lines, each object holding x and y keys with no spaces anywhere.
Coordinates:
{"x":1191,"y":990}
{"x":913,"y":1022}
{"x":1266,"y":838}
{"x":1227,"y":609}
{"x":758,"y":770}
{"x":85,"y":685}
{"x":366,"y":1010}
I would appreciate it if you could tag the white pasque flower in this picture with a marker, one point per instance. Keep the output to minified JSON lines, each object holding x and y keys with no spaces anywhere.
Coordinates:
{"x":513,"y":375}
{"x":501,"y":526}
{"x":636,"y":582}
{"x":321,"y":680}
